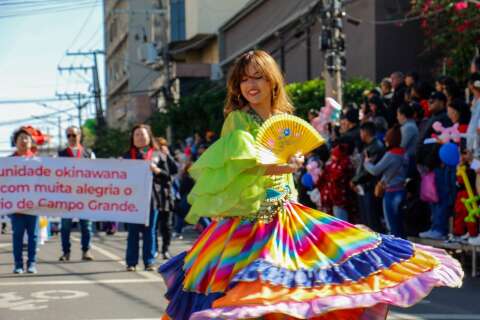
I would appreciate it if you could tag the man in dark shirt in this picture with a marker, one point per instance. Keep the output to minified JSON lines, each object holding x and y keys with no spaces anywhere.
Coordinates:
{"x":445,"y":176}
{"x":349,"y":130}
{"x":398,"y":98}
{"x":76,"y":150}
{"x":364,"y":183}
{"x":427,"y":154}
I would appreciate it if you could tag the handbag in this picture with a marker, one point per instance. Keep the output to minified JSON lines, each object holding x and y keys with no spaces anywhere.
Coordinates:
{"x":428,"y":189}
{"x":381,"y":185}
{"x":379,"y":189}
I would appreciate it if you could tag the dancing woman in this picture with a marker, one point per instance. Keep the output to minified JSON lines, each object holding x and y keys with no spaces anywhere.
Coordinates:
{"x":265,"y":255}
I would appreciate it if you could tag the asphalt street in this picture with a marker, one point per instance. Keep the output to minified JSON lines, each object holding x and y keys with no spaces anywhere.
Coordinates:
{"x":103,"y":290}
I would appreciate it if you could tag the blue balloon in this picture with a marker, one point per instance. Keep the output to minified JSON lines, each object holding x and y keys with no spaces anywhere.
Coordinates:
{"x":449,"y":154}
{"x":307,"y":181}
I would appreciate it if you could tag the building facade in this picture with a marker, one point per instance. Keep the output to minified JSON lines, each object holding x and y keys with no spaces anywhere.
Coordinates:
{"x":193,"y":49}
{"x":376,"y":43}
{"x":129,"y":59}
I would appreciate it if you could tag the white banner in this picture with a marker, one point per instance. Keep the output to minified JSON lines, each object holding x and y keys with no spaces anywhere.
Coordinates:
{"x":99,"y":190}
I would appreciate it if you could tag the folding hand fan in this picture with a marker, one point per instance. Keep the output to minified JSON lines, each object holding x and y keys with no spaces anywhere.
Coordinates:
{"x":282,"y":136}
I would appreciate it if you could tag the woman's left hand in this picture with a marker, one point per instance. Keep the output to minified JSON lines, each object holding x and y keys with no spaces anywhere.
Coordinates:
{"x":154,"y":168}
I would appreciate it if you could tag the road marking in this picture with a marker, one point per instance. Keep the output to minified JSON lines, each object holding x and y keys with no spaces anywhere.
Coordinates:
{"x":16,"y":302}
{"x":59,"y":294}
{"x":75,"y":282}
{"x":5,"y":245}
{"x":431,"y":316}
{"x":145,"y":274}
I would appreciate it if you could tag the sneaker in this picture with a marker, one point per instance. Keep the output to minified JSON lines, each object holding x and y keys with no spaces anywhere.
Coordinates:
{"x":64,"y":257}
{"x":131,"y":268}
{"x":452,"y":238}
{"x":432,"y":234}
{"x":180,"y":237}
{"x":150,"y":267}
{"x":18,"y":270}
{"x":87,"y":256}
{"x":32,"y":269}
{"x":466,"y":236}
{"x":166,"y":255}
{"x":474,"y":241}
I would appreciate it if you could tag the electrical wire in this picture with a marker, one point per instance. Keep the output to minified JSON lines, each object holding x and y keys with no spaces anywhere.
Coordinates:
{"x":11,"y":10}
{"x":82,"y":28}
{"x":396,"y":21}
{"x":32,"y":118}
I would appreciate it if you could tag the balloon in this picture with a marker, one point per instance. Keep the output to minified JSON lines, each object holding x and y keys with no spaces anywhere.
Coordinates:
{"x":449,"y":154}
{"x":43,"y":222}
{"x":312,"y":165}
{"x":313,"y":170}
{"x":307,"y":181}
{"x":471,"y":202}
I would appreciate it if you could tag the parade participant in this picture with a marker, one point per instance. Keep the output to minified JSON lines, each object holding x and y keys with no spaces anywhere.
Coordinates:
{"x":142,"y":147}
{"x":267,"y":256}
{"x":75,"y":149}
{"x":21,"y":223}
{"x":163,"y":186}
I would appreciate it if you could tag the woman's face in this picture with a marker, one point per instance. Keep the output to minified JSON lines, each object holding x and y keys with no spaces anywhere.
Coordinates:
{"x":373,"y":107}
{"x":438,"y":86}
{"x":409,"y":81}
{"x":255,"y":88}
{"x":453,"y":114}
{"x":23,"y":142}
{"x":141,"y":138}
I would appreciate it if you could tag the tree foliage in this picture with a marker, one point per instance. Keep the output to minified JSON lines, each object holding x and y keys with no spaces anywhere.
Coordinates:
{"x":452,"y":29}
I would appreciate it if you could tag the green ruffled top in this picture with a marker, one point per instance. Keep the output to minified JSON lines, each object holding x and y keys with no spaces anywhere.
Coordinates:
{"x":229,"y":180}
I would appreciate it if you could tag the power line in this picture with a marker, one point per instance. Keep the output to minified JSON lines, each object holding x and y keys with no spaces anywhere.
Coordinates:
{"x":32,"y":118}
{"x":82,"y":28}
{"x":56,"y":8}
{"x":87,"y":43}
{"x":396,"y":21}
{"x":54,"y":99}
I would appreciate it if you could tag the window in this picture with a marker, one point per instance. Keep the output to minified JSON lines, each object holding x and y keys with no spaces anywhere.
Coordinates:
{"x":177,"y":20}
{"x":113,"y":30}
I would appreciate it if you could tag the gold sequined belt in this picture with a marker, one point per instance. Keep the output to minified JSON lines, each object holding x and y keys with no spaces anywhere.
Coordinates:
{"x":273,"y":204}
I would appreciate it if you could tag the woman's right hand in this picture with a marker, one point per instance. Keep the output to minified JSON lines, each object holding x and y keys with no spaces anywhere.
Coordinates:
{"x":296,"y":161}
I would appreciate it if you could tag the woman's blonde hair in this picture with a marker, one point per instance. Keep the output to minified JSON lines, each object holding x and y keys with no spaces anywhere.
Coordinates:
{"x":266,"y":65}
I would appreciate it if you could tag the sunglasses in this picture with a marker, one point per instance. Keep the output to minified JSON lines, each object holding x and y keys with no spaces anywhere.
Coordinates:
{"x":71,"y":135}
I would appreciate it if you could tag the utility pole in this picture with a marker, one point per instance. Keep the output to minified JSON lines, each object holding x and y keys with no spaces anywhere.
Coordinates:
{"x":95,"y":81}
{"x":332,"y":43}
{"x":79,"y":104}
{"x":60,"y":144}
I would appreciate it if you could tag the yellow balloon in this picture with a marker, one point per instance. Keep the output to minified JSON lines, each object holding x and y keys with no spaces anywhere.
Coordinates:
{"x":43,"y":222}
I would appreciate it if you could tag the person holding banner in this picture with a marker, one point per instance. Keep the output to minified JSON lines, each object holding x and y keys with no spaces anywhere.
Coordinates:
{"x":163,"y":187}
{"x":22,"y":223}
{"x":76,"y":150}
{"x":142,"y":147}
